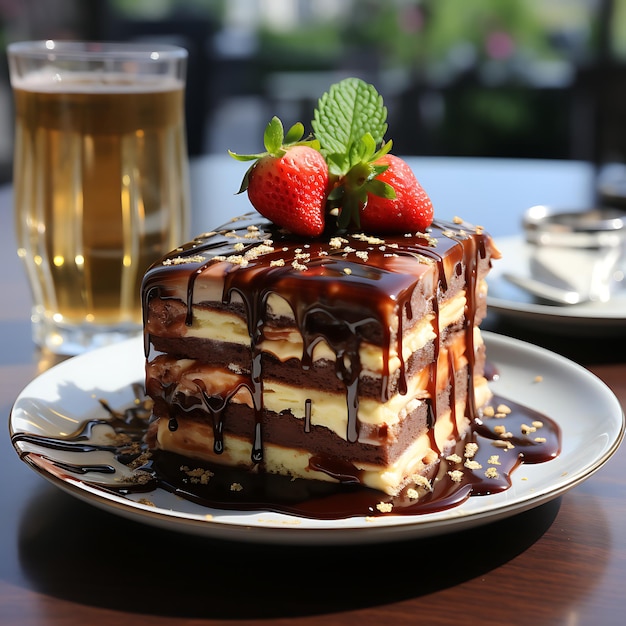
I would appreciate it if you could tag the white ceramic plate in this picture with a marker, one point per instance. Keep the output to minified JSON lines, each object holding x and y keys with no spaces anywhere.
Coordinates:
{"x":506,"y":299}
{"x":590,"y":417}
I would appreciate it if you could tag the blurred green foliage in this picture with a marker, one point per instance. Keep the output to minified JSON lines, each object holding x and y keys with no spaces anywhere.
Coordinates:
{"x":426,"y":31}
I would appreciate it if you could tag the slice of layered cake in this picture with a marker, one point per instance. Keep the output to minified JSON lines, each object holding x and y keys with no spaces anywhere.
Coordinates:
{"x":333,"y":339}
{"x":349,"y":358}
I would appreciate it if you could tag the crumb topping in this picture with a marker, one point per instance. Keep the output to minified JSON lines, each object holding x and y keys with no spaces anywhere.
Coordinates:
{"x":138,"y":477}
{"x":199,"y":475}
{"x":454,"y":458}
{"x":181,"y":260}
{"x":422,"y":481}
{"x":470,"y":450}
{"x":336,"y":242}
{"x":235,"y":368}
{"x":412,"y":494}
{"x":237,"y":259}
{"x":501,"y":443}
{"x":301,"y":267}
{"x":368,"y":239}
{"x":456,"y":475}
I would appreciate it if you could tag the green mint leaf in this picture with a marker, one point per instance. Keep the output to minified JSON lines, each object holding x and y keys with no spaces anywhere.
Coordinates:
{"x":345,"y":113}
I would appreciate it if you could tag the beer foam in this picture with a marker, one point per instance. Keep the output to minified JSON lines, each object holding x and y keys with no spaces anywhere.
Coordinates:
{"x":51,"y":80}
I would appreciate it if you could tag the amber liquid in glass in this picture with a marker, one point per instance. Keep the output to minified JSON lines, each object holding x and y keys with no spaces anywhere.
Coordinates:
{"x":100,"y":193}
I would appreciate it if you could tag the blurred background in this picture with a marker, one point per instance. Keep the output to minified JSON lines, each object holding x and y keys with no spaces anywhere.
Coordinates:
{"x":501,"y":78}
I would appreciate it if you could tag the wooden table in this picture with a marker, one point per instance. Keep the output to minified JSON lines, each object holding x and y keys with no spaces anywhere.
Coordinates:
{"x":63,"y":561}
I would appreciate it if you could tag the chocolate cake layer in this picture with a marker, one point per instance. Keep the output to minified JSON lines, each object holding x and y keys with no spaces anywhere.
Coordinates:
{"x":301,"y":357}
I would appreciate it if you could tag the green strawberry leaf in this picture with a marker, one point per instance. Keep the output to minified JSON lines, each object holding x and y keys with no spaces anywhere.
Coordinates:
{"x":385,"y":149}
{"x":377,"y":170}
{"x":245,"y":157}
{"x":295,"y":133}
{"x":362,"y":151}
{"x":381,"y":188}
{"x":246,"y":180}
{"x":276,"y":142}
{"x":350,"y":209}
{"x":338,"y":163}
{"x":273,"y":136}
{"x":346,"y":113}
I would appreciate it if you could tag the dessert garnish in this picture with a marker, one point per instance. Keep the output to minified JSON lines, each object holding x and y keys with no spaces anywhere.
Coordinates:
{"x":288,"y":183}
{"x":344,"y":176}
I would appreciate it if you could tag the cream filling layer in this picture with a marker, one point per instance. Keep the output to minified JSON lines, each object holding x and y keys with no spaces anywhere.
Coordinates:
{"x":195,"y":440}
{"x":287,"y":343}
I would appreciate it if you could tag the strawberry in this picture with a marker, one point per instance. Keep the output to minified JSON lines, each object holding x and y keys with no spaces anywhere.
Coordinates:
{"x":411,"y":209}
{"x":291,"y":190}
{"x":288,"y":184}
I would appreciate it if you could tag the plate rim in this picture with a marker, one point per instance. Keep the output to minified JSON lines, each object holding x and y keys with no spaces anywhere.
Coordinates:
{"x":326,"y":532}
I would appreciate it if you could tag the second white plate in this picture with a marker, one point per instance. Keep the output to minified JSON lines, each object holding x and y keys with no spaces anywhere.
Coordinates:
{"x":590,"y":318}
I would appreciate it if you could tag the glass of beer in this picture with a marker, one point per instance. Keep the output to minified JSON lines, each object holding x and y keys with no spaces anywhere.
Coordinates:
{"x":100,"y":181}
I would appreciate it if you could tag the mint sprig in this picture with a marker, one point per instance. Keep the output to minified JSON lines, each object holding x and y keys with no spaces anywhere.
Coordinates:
{"x":345,"y":114}
{"x":350,"y":123}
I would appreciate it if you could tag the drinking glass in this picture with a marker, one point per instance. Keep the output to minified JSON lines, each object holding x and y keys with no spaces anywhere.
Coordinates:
{"x":100,"y":181}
